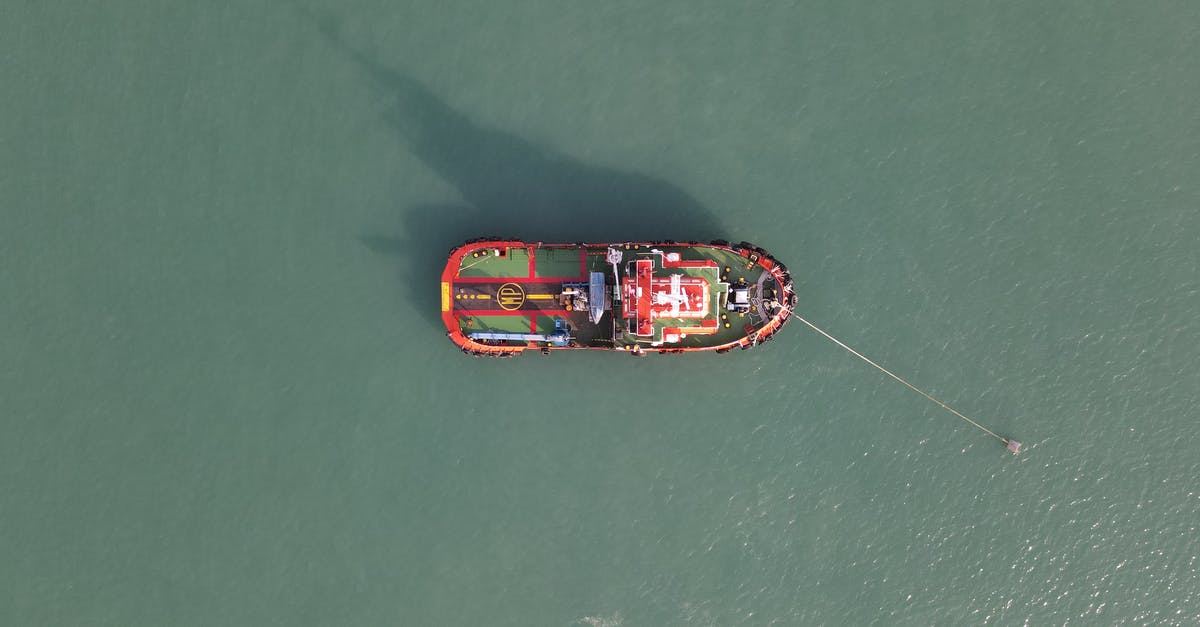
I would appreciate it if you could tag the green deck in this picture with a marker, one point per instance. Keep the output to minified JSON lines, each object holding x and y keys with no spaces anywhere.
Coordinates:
{"x":557,"y":262}
{"x":571,"y":264}
{"x":515,"y":262}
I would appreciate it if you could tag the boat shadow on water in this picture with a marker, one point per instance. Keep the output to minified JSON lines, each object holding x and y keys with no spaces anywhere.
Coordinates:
{"x":512,"y":187}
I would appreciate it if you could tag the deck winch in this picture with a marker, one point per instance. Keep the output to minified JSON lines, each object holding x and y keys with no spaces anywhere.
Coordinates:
{"x":739,"y":297}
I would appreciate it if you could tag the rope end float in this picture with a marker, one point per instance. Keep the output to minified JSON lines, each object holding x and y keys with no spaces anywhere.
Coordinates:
{"x":1013,"y":446}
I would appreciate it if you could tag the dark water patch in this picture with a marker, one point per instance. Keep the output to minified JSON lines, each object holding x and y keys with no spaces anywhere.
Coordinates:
{"x":512,"y":187}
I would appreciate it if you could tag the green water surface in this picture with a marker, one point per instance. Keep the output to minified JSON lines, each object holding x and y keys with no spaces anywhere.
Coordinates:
{"x":226,"y":398}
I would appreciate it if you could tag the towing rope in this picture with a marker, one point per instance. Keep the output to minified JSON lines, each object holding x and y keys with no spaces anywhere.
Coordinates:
{"x":1012,"y":445}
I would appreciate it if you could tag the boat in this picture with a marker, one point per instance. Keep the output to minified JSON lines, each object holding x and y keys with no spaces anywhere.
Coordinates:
{"x":501,"y":297}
